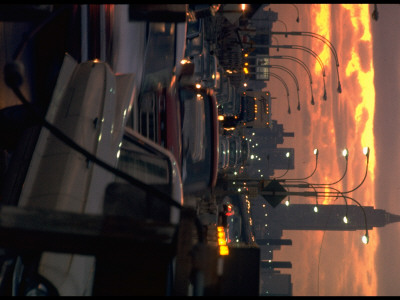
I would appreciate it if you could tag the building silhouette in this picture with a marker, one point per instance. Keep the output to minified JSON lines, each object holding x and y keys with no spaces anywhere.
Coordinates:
{"x":269,"y":223}
{"x":329,"y":217}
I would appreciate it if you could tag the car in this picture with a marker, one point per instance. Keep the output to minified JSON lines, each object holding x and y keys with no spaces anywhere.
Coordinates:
{"x":194,"y":38}
{"x":200,"y":139}
{"x":223,"y":161}
{"x":235,"y":152}
{"x":60,"y":178}
{"x":156,"y":114}
{"x":223,"y":89}
{"x":234,"y":228}
{"x":232,"y":108}
{"x":199,"y":52}
{"x":246,"y":152}
{"x":183,"y":119}
{"x":231,"y":219}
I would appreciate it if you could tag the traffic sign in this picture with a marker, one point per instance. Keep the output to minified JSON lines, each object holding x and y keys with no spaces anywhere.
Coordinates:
{"x":269,"y":192}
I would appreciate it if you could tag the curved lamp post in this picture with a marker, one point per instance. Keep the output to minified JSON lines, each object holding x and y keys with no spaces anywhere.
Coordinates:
{"x":297,"y":47}
{"x":365,"y":237}
{"x":316,"y":152}
{"x":321,"y":38}
{"x":294,"y":79}
{"x":345,"y":154}
{"x":277,"y":42}
{"x":283,"y":24}
{"x":366,"y":151}
{"x":375,"y":13}
{"x":298,"y":16}
{"x":288,"y":157}
{"x":303,"y":65}
{"x":308,"y":50}
{"x":285,"y":85}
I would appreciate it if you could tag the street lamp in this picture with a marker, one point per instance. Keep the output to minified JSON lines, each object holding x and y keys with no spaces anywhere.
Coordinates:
{"x":316,"y":152}
{"x":298,"y":17}
{"x":288,"y":157}
{"x":277,"y":193}
{"x":297,"y":47}
{"x":366,"y":152}
{"x":323,"y":39}
{"x":294,"y":79}
{"x":365,"y":237}
{"x":285,"y":85}
{"x":375,"y":13}
{"x":345,"y":154}
{"x":277,"y":42}
{"x":303,"y":65}
{"x":283,"y":24}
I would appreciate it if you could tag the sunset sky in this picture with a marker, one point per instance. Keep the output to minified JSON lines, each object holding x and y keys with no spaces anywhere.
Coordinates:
{"x":366,"y":113}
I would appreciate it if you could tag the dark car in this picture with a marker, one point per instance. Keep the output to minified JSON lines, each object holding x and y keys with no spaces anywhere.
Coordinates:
{"x":183,"y":118}
{"x":200,"y":139}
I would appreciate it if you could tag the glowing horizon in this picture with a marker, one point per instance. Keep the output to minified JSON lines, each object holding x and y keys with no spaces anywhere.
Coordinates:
{"x":358,"y":97}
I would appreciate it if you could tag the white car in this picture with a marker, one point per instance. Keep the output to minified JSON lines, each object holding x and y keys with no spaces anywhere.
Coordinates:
{"x":90,"y":104}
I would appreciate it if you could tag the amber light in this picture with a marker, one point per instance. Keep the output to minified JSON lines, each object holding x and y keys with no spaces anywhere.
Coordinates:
{"x":223,"y":248}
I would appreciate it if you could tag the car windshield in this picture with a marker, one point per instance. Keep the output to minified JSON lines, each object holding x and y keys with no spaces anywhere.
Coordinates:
{"x":160,"y":56}
{"x":151,"y":164}
{"x":158,"y":67}
{"x":194,"y":38}
{"x":197,"y":139}
{"x":233,"y":152}
{"x":145,"y":164}
{"x":193,"y":28}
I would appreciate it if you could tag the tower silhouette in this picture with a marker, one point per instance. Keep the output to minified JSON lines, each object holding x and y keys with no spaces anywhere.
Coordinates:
{"x":329,"y":217}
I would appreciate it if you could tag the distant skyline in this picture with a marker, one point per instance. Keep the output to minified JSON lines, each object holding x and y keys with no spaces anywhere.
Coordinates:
{"x":364,"y":114}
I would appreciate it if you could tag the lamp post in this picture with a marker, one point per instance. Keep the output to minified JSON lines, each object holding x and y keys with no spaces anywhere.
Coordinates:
{"x":302,"y":64}
{"x":288,"y":157}
{"x":375,"y":13}
{"x":283,"y":24}
{"x":298,"y":16}
{"x":287,"y":71}
{"x":345,"y":154}
{"x":277,"y":42}
{"x":366,"y":152}
{"x":316,"y":152}
{"x":297,"y":47}
{"x":337,"y":193}
{"x":321,"y":38}
{"x":294,"y":79}
{"x":365,"y":237}
{"x":308,"y":50}
{"x":287,"y":89}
